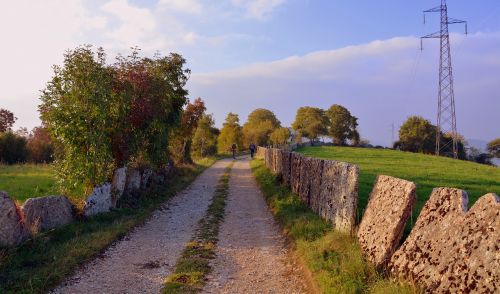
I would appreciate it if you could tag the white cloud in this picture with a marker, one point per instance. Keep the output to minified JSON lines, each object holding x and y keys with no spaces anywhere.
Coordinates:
{"x":185,"y":6}
{"x":259,"y":9}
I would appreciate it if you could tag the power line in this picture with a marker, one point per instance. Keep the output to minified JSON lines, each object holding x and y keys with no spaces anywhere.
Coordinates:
{"x":446,"y":117}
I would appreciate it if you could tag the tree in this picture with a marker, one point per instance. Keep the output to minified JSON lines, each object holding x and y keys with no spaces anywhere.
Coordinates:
{"x":230,"y":134}
{"x":280,"y":136}
{"x":106,"y":116}
{"x":494,"y":147}
{"x":205,"y":137}
{"x":342,"y":125}
{"x":40,"y":146}
{"x":477,"y":156}
{"x":12,"y":148}
{"x":7,"y":120}
{"x":310,"y":122}
{"x":417,"y":135}
{"x":181,"y":143}
{"x":259,"y":126}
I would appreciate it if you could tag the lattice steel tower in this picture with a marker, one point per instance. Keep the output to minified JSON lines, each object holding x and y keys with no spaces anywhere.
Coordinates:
{"x":446,"y":118}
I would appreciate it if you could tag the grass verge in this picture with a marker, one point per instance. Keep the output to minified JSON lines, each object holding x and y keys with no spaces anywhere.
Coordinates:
{"x":41,"y":263}
{"x":426,"y":171}
{"x":194,"y":263}
{"x":334,"y":259}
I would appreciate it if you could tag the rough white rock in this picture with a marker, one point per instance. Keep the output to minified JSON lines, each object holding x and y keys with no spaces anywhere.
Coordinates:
{"x":146,"y":178}
{"x":12,"y":229}
{"x":133,"y":180}
{"x":99,"y":201}
{"x":47,"y":213}
{"x":119,"y":181}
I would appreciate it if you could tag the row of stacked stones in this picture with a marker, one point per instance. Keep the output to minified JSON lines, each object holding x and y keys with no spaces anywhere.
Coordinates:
{"x":449,"y":250}
{"x":329,"y":188}
{"x":45,"y":213}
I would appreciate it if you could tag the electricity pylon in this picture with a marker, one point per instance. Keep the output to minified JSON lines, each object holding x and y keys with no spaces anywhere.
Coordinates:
{"x":446,"y":118}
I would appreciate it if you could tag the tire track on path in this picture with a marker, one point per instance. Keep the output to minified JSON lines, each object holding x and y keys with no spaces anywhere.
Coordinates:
{"x":251,"y":253}
{"x":144,"y":257}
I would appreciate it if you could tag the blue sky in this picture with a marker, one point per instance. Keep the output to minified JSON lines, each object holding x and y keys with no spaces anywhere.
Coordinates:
{"x":277,"y":54}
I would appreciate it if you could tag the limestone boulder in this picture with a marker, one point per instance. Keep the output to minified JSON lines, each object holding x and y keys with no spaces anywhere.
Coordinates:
{"x":45,"y":213}
{"x":295,"y":161}
{"x":12,"y":229}
{"x":133,"y":180}
{"x":119,"y":181}
{"x":316,"y":170}
{"x":451,"y":250}
{"x":285,"y":166}
{"x":339,"y":194}
{"x":305,"y":179}
{"x":101,"y":200}
{"x":146,"y":178}
{"x":388,"y":210}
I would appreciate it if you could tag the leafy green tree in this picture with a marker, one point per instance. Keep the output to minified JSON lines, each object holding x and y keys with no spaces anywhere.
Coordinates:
{"x":7,"y":120}
{"x":259,"y":126}
{"x":205,"y":137}
{"x":280,"y":136}
{"x":180,"y":146}
{"x":494,"y":147}
{"x":12,"y":148}
{"x":342,"y":125}
{"x":310,"y":122}
{"x":417,"y":135}
{"x":104,"y":116}
{"x":230,"y":134}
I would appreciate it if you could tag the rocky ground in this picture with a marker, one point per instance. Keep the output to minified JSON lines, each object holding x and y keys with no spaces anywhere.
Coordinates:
{"x":251,"y":253}
{"x":139,"y":262}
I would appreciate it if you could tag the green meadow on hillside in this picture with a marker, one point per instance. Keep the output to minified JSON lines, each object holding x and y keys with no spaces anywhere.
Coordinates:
{"x":23,"y":181}
{"x":426,"y":171}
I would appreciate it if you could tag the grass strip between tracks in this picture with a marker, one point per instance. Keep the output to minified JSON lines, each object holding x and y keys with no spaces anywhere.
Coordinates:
{"x":194,"y":264}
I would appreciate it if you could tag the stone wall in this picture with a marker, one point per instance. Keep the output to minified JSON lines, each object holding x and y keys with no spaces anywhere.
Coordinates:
{"x":449,"y":250}
{"x":45,"y":213}
{"x":329,"y":188}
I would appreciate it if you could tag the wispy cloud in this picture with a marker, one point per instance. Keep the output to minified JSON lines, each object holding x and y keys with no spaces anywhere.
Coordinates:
{"x":259,"y":9}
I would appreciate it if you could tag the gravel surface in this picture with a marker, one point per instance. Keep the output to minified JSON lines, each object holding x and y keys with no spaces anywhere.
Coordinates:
{"x":139,"y":262}
{"x":251,"y":253}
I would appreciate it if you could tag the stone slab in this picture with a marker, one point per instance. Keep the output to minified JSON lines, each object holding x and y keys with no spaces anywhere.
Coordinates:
{"x":101,"y":200}
{"x":285,"y":164}
{"x":389,"y":207}
{"x":316,"y":169}
{"x":133,"y":180}
{"x":119,"y":181}
{"x":305,"y":179}
{"x":339,"y":194}
{"x":295,"y":160}
{"x":45,"y":213}
{"x":451,"y":250}
{"x":12,"y":229}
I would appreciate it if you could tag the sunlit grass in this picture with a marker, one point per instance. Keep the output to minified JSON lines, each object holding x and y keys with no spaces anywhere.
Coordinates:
{"x":426,"y":171}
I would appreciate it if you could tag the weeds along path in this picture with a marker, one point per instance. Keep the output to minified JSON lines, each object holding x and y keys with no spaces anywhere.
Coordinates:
{"x":143,"y":258}
{"x":251,"y":253}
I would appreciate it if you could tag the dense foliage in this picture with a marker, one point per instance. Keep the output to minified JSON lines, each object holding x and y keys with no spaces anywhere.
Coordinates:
{"x":280,"y":136}
{"x":103,"y":116}
{"x":12,"y":148}
{"x":7,"y":120}
{"x":230,"y":134}
{"x":311,"y":123}
{"x":205,"y":137}
{"x":180,"y":145}
{"x":259,"y":126}
{"x":342,"y":125}
{"x":494,"y":147}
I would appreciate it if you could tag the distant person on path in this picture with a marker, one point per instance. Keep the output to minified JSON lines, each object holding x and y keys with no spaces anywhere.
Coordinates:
{"x":233,"y":148}
{"x":252,"y":149}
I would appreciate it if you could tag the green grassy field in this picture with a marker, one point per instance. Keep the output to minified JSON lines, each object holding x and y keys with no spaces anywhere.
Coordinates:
{"x":426,"y":171}
{"x":23,"y":181}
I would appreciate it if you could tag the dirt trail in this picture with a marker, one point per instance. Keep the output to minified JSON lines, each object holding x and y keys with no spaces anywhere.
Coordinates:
{"x":140,"y":262}
{"x":251,"y":256}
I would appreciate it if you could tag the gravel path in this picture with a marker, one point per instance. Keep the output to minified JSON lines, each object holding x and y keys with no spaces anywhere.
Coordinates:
{"x":251,"y":253}
{"x":140,"y":262}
